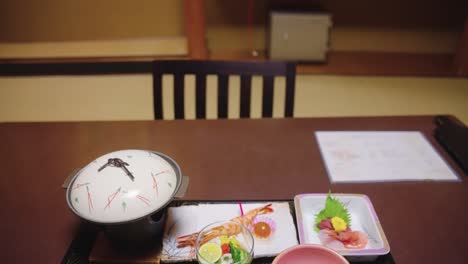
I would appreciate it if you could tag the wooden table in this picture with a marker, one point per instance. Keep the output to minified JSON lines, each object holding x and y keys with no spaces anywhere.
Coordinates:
{"x":425,"y":222}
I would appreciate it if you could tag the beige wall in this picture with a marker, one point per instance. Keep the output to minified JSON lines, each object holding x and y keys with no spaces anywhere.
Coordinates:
{"x":67,"y":20}
{"x":73,"y":98}
{"x":374,"y":96}
{"x":129,"y":97}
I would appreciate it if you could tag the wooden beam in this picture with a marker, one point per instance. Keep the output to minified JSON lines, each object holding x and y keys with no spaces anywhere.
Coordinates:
{"x":195,"y":28}
{"x":461,"y":57}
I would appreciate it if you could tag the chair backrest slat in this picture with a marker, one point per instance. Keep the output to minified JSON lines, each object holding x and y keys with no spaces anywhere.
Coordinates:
{"x":157,"y":96}
{"x":267,"y":102}
{"x":200,"y":95}
{"x":221,"y":67}
{"x":290,"y":90}
{"x":179,"y":109}
{"x":245,"y":91}
{"x":223,"y":80}
{"x":268,"y":70}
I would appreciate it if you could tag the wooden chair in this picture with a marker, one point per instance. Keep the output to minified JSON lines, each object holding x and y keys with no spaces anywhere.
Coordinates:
{"x":268,"y":70}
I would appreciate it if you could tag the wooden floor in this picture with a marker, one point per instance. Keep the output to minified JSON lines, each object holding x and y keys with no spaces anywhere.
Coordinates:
{"x":366,"y":63}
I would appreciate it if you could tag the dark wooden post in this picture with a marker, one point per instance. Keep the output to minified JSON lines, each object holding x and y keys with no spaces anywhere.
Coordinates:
{"x":461,"y":57}
{"x":195,"y":28}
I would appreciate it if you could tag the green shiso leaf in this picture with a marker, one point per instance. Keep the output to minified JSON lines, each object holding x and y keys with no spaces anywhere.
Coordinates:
{"x":333,"y":207}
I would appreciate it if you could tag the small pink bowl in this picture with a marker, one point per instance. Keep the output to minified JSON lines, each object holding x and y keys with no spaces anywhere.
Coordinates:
{"x":308,"y":253}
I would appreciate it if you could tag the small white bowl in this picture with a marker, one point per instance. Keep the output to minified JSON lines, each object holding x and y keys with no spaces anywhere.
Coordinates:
{"x":363,"y":218}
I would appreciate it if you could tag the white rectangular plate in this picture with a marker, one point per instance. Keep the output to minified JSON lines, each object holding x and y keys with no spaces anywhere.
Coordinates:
{"x":188,"y":219}
{"x":363,"y":218}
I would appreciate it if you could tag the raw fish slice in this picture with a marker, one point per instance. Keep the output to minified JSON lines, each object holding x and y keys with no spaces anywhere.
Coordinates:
{"x":329,"y":241}
{"x":359,"y":240}
{"x":350,"y":239}
{"x":325,"y":224}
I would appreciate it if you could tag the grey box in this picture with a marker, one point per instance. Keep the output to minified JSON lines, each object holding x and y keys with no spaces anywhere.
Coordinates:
{"x":299,"y":36}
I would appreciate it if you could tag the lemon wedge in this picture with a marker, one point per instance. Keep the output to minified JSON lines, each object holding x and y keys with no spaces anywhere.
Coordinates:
{"x":210,"y":252}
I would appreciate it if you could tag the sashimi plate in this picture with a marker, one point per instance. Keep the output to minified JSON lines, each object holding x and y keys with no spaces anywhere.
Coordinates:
{"x":363,"y":218}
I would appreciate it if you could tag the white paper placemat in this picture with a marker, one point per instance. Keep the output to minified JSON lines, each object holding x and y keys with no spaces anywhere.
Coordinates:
{"x":377,"y":156}
{"x":188,"y":219}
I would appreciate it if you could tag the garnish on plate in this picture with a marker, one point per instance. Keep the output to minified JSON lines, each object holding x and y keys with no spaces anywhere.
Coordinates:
{"x":333,"y":224}
{"x":262,"y":227}
{"x":232,"y":251}
{"x":334,"y":212}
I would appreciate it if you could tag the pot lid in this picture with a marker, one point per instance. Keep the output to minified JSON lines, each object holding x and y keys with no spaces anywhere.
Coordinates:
{"x":123,"y":186}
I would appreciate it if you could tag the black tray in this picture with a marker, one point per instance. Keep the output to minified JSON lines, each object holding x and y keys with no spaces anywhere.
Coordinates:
{"x":384,"y":259}
{"x":80,"y":248}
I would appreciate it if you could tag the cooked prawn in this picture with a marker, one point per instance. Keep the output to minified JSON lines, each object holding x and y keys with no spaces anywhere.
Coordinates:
{"x":227,"y":229}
